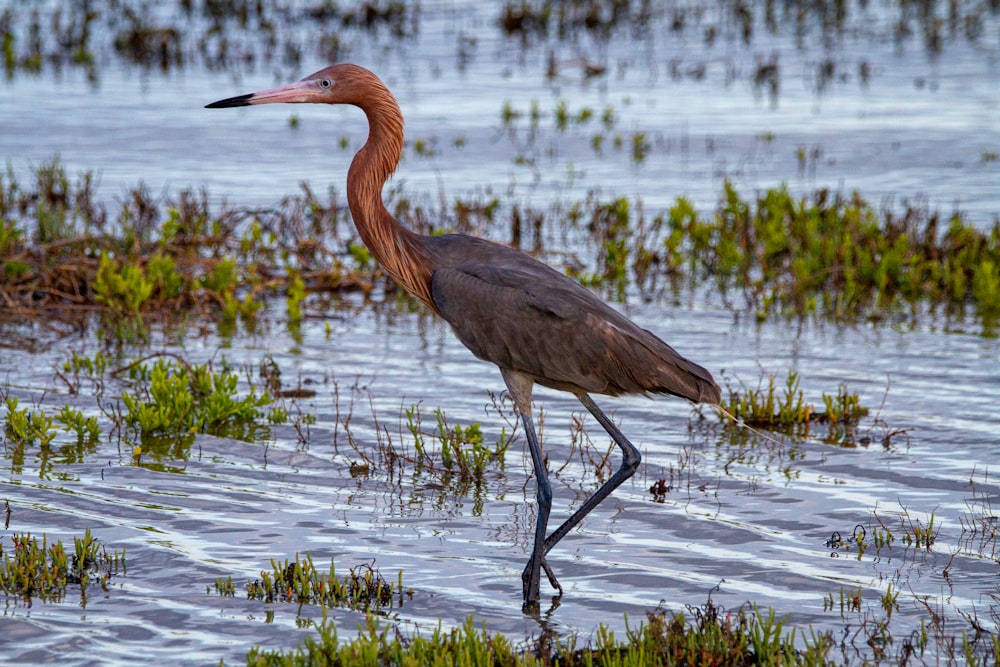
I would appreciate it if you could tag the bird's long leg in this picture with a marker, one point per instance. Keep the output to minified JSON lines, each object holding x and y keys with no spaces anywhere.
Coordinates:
{"x":630,"y":462}
{"x":531,"y":577}
{"x":520,"y":385}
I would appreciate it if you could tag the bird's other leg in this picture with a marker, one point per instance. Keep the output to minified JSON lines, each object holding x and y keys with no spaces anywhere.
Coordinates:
{"x":630,"y":463}
{"x":531,"y":577}
{"x":519,"y":387}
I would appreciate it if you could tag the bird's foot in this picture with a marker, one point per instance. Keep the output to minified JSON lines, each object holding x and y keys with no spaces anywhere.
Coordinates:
{"x":531,"y":579}
{"x":552,"y":577}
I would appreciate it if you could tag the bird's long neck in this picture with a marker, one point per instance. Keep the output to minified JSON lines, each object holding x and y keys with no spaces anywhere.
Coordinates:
{"x":396,"y":248}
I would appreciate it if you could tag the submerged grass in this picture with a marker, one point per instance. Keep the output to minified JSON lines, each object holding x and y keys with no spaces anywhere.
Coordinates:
{"x":458,"y":457}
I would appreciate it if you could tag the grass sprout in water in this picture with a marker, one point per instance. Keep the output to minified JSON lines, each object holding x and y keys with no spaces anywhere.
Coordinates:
{"x":451,"y":452}
{"x":33,"y":568}
{"x":461,"y":449}
{"x":786,"y":409}
{"x":300,"y":582}
{"x":781,"y":407}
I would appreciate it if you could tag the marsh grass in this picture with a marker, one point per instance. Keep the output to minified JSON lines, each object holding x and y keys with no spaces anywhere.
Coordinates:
{"x":34,"y":569}
{"x":706,"y":636}
{"x":61,"y":259}
{"x":64,"y":258}
{"x":173,"y":397}
{"x":449,"y":452}
{"x":784,"y":408}
{"x":300,"y":582}
{"x":836,"y":257}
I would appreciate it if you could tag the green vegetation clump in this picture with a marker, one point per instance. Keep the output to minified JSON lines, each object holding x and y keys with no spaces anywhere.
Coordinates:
{"x":780,"y":406}
{"x":23,"y":427}
{"x":835,"y":256}
{"x":62,"y":258}
{"x":461,"y":448}
{"x":299,"y":582}
{"x":73,"y":421}
{"x":767,"y":407}
{"x":35,"y":569}
{"x":157,"y":403}
{"x":710,"y":638}
{"x":173,"y":397}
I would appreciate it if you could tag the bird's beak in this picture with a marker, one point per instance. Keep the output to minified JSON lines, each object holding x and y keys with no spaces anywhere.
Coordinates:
{"x":300,"y":91}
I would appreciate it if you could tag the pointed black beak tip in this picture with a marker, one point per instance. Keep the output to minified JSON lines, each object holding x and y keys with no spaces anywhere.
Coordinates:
{"x":238,"y":101}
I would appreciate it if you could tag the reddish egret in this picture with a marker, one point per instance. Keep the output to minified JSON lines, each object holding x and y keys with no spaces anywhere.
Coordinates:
{"x":537,"y":325}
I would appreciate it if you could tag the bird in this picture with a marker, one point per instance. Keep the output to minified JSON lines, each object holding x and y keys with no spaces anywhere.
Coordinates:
{"x":536,"y":324}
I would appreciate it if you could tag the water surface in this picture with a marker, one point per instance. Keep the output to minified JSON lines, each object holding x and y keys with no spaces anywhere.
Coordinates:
{"x":743,"y":522}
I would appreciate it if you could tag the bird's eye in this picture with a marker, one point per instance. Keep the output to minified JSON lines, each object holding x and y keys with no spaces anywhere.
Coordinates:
{"x":326,"y":83}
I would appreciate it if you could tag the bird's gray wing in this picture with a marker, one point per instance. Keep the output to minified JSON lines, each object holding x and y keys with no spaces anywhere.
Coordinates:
{"x":532,"y":319}
{"x":541,"y":323}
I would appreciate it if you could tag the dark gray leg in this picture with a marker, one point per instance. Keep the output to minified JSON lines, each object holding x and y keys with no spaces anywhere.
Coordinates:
{"x":531,"y":577}
{"x":630,"y":463}
{"x":519,"y":386}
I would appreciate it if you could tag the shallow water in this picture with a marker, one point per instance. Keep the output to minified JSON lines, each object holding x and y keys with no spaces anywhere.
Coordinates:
{"x":752,"y":520}
{"x":742,"y":523}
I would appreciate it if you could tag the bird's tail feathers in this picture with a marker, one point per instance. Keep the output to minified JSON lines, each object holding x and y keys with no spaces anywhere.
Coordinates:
{"x":688,"y":380}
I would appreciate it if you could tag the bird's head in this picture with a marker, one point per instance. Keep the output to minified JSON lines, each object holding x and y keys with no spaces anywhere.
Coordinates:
{"x":337,"y":84}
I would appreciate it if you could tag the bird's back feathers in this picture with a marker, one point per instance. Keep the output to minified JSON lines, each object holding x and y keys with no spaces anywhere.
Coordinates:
{"x":524,"y":316}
